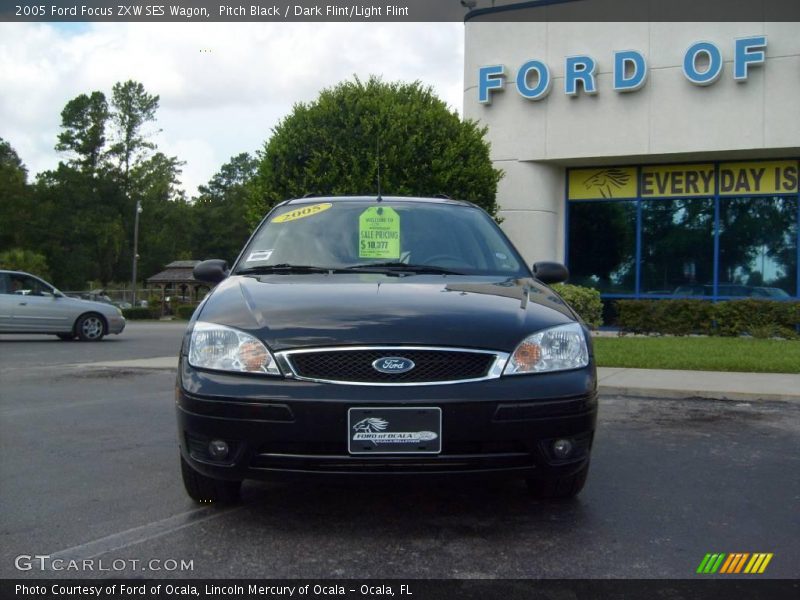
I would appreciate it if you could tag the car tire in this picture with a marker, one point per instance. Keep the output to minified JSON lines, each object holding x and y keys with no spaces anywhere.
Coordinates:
{"x":206,"y":490}
{"x":67,"y":337}
{"x":90,"y":327}
{"x":558,"y":488}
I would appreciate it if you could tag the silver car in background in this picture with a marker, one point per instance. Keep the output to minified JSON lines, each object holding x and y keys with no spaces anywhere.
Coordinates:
{"x":31,"y":305}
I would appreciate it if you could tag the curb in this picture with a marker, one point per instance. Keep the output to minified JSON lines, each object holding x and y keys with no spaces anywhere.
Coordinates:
{"x":669,"y":394}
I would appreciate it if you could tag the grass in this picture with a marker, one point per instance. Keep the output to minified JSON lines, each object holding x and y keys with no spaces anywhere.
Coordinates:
{"x":699,"y":354}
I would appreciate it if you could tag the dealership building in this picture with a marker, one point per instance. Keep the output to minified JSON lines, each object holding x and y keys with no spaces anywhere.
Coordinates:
{"x":656,"y":159}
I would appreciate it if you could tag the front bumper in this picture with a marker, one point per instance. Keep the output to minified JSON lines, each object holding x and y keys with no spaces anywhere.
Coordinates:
{"x":278,"y":427}
{"x":116,"y":324}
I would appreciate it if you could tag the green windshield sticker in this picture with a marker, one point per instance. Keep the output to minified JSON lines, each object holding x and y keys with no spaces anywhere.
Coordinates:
{"x":379,"y":233}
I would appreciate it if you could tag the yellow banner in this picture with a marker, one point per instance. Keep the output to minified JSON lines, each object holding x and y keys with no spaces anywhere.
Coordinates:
{"x":678,"y":180}
{"x":603,"y":182}
{"x":686,"y":181}
{"x":743,"y":178}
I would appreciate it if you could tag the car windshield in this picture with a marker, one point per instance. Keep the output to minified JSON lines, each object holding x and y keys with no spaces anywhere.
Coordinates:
{"x":386,"y":236}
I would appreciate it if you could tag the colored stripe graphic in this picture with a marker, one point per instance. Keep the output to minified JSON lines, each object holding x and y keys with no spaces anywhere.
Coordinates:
{"x":728,"y":565}
{"x":711,"y":563}
{"x":734,"y":563}
{"x":766,"y":562}
{"x":703,"y":563}
{"x":758,"y":563}
{"x":741,"y":563}
{"x":749,"y":567}
{"x":718,"y":563}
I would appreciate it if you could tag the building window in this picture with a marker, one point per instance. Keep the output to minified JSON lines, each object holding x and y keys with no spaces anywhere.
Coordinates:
{"x":602,"y":250}
{"x":758,"y":247}
{"x":709,"y":230}
{"x":677,"y":253}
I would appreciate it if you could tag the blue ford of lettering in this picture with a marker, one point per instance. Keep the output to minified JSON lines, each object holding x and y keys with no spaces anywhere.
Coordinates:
{"x":368,"y":337}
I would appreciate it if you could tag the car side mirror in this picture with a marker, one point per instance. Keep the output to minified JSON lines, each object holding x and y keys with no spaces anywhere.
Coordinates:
{"x":550,"y":272}
{"x":211,"y":271}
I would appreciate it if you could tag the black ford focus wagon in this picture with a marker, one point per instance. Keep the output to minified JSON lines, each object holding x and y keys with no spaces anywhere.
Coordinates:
{"x":373,"y":336}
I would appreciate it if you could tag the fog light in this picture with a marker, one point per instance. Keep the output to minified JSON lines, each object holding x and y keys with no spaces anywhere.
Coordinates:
{"x":218,"y":449}
{"x":561,"y":448}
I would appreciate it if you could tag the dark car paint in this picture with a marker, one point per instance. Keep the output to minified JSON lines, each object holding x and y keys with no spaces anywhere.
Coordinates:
{"x":275,"y":423}
{"x":272,"y":413}
{"x":295,"y":311}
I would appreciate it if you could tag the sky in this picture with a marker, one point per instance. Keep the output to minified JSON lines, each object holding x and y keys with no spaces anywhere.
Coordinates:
{"x":223,"y":86}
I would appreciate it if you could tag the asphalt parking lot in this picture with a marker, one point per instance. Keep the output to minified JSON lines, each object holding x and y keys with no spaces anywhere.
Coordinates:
{"x":89,"y":469}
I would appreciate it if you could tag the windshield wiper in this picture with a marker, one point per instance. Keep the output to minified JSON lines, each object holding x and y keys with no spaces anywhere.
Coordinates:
{"x":401,"y":266}
{"x":285,"y":268}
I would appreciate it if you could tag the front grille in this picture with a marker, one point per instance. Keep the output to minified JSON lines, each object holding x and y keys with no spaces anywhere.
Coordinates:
{"x":356,"y":365}
{"x":332,"y":457}
{"x":339,"y":448}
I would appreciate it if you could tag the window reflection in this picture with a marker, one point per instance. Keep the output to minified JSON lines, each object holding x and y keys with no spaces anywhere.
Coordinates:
{"x":678,"y":247}
{"x":758,"y":251}
{"x":602,"y":250}
{"x":758,"y":247}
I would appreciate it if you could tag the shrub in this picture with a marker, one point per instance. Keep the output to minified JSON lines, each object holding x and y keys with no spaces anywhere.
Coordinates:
{"x":585,"y":301}
{"x":185,"y":311}
{"x":138,"y":312}
{"x":759,"y":318}
{"x":636,"y":316}
{"x":329,"y":146}
{"x":671,"y":317}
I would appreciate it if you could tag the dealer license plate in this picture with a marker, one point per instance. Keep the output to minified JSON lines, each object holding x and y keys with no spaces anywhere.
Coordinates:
{"x":410,"y":430}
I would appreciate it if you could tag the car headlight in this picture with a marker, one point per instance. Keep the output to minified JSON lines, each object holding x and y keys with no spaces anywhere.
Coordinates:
{"x":226,"y":349}
{"x":557,"y":349}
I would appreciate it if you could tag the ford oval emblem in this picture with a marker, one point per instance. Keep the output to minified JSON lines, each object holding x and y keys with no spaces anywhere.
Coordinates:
{"x":393,"y":364}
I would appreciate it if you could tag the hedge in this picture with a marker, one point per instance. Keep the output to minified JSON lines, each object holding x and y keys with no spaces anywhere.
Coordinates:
{"x":585,"y":301}
{"x":185,"y":311}
{"x":757,"y":318}
{"x":675,"y":317}
{"x":139,"y":312}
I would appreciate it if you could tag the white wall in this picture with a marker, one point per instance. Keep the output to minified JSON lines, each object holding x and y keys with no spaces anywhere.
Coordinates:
{"x":668,"y":119}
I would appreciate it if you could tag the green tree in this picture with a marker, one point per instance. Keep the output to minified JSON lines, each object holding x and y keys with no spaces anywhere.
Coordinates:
{"x":78,"y":225}
{"x":83,"y":125}
{"x":221,"y":226}
{"x":133,"y":108}
{"x":17,"y":259}
{"x":166,"y":224}
{"x":16,"y":202}
{"x":330,"y":146}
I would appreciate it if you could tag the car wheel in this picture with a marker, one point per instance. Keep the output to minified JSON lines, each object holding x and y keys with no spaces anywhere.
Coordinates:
{"x":67,"y":337}
{"x":206,"y":490}
{"x":90,"y":328}
{"x":558,"y":488}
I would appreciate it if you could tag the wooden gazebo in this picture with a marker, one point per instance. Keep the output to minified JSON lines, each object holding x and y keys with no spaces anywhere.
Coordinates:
{"x":177,"y":280}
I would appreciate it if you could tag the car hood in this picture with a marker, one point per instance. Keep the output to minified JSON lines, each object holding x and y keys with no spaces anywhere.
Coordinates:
{"x":81,"y":304}
{"x":295,"y":311}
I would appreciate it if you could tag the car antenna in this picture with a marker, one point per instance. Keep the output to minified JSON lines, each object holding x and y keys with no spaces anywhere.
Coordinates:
{"x":378,"y":146}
